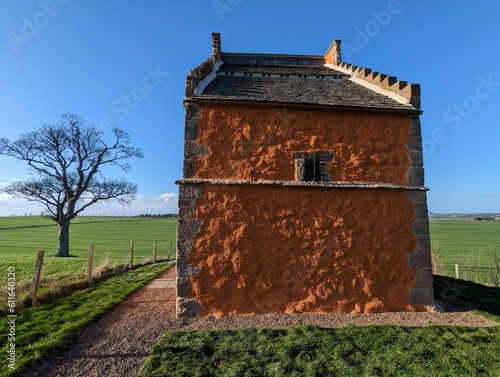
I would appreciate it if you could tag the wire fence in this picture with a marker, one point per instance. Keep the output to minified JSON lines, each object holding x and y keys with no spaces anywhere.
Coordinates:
{"x":63,"y":275}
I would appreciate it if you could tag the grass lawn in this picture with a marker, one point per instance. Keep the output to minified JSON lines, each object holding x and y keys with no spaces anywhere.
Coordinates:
{"x":22,"y":237}
{"x":350,"y":351}
{"x":40,"y":332}
{"x":311,"y":351}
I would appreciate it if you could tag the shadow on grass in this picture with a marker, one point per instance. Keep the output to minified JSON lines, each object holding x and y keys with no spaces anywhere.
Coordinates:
{"x":468,"y":295}
{"x":63,"y":256}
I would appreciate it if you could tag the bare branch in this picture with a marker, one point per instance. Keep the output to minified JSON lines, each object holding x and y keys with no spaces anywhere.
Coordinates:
{"x":68,"y":157}
{"x":119,"y":189}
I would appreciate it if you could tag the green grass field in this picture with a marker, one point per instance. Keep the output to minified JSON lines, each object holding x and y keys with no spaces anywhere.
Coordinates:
{"x":461,"y":242}
{"x":22,"y":237}
{"x":464,"y":243}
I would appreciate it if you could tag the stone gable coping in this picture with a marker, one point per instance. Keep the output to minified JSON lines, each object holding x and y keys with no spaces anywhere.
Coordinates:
{"x":197,"y":75}
{"x":410,"y":92}
{"x":204,"y":69}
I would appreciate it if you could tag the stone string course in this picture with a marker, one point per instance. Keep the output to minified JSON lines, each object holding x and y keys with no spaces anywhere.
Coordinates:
{"x":330,"y":184}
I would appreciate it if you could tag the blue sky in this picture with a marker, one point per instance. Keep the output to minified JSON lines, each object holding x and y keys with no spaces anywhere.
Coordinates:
{"x":125,"y":61}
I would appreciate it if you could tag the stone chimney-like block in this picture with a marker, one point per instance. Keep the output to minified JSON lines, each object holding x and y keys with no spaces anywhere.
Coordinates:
{"x":216,"y":47}
{"x":333,"y":54}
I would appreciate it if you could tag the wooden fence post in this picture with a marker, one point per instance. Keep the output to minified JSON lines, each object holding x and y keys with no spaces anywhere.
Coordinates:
{"x":169,"y":251}
{"x":457,"y":273}
{"x":89,"y":265}
{"x":131,"y":261}
{"x":154,"y":251}
{"x":36,"y":278}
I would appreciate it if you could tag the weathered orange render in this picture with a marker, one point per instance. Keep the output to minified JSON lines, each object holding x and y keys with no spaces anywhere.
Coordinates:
{"x":367,"y":146}
{"x":295,"y":249}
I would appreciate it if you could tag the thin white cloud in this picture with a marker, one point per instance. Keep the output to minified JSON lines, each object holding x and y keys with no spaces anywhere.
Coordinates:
{"x":10,"y":205}
{"x":4,"y":196}
{"x":167,"y":197}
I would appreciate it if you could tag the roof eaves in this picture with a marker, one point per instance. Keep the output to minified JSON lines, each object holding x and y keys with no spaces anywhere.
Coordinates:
{"x":246,"y":101}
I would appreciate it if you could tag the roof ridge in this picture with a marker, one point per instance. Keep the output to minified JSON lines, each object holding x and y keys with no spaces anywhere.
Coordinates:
{"x":263,"y":54}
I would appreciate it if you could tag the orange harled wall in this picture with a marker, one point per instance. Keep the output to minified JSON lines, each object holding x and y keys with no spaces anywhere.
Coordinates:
{"x":266,"y":249}
{"x":257,"y":142}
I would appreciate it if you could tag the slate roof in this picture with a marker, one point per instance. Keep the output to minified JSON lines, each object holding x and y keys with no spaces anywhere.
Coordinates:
{"x":268,"y":80}
{"x":276,"y":69}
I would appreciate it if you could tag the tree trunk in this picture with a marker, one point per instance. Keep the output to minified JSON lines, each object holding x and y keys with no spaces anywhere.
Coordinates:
{"x":63,"y":241}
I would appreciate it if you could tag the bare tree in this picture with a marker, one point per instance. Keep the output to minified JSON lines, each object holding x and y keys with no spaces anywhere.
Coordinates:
{"x":67,"y":158}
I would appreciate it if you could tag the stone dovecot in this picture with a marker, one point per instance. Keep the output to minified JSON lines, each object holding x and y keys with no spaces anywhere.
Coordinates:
{"x":302,"y":190}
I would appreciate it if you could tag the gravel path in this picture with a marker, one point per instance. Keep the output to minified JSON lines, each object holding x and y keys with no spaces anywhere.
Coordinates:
{"x":119,"y":344}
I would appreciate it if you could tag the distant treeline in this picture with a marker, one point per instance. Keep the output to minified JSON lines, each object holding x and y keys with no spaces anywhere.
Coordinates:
{"x":157,"y":216}
{"x":486,"y":219}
